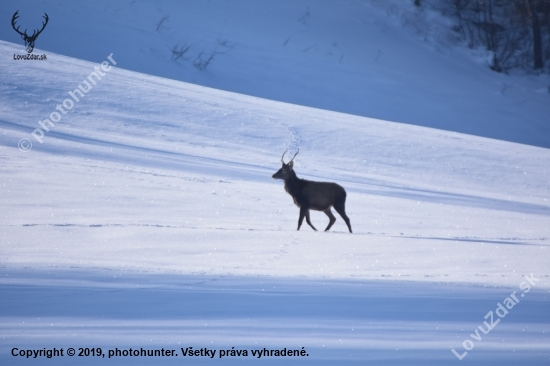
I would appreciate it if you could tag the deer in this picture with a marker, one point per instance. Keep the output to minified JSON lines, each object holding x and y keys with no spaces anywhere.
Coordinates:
{"x":310,"y":195}
{"x":29,"y":40}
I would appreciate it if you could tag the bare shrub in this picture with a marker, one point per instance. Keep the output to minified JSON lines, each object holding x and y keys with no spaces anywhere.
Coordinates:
{"x":203,"y":59}
{"x":164,"y":19}
{"x":179,"y":50}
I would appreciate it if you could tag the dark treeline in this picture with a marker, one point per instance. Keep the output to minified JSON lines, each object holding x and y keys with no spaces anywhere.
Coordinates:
{"x":517,"y":32}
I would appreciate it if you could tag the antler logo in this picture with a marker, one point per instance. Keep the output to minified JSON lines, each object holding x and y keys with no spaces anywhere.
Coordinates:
{"x":29,"y":40}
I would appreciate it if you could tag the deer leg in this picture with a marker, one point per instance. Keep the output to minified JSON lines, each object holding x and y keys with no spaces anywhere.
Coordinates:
{"x":309,"y":222}
{"x":330,"y":217}
{"x":303,"y":212}
{"x":341,"y":209}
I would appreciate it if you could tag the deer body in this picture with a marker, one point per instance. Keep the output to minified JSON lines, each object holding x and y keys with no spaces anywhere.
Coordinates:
{"x":310,"y":195}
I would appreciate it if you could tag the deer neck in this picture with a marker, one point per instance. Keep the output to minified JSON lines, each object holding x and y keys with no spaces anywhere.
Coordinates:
{"x":292,"y":184}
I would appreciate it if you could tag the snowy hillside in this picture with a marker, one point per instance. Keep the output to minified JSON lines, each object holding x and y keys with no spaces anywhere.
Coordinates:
{"x":376,"y":58}
{"x":145,"y":216}
{"x":148,"y":218}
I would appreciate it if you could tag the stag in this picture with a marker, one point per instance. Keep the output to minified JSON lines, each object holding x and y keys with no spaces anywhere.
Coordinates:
{"x":29,"y":40}
{"x":309,"y":195}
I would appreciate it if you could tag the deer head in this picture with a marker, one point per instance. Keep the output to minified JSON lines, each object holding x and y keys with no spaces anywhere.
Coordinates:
{"x":29,"y":40}
{"x":284,"y":172}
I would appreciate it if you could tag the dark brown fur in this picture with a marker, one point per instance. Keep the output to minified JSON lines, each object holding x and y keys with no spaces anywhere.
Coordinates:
{"x":310,"y":195}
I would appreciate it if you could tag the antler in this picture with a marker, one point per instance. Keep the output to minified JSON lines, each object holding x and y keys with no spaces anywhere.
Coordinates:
{"x":295,"y":155}
{"x":13,"y":19}
{"x":43,"y":26}
{"x":24,"y":34}
{"x":282,"y":157}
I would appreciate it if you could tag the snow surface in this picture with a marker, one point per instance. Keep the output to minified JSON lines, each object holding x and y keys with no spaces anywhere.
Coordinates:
{"x":376,"y":58}
{"x":148,"y":218}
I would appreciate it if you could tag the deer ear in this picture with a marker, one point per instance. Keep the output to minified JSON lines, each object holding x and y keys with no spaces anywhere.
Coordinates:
{"x":291,"y":164}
